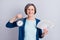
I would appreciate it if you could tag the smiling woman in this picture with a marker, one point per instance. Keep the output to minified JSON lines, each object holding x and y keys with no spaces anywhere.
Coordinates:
{"x":27,"y":26}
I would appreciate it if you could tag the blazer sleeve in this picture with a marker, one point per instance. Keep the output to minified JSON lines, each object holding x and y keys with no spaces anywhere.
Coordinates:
{"x":40,"y":33}
{"x":11,"y":25}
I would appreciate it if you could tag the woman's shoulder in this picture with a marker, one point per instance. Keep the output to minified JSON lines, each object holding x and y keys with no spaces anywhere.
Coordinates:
{"x":37,"y":19}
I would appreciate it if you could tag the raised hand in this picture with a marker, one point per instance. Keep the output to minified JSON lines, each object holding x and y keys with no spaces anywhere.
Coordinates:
{"x":18,"y":16}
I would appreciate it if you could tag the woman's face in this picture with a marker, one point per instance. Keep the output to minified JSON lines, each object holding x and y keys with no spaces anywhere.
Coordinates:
{"x":30,"y":11}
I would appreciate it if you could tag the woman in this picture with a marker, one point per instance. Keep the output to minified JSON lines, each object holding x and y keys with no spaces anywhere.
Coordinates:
{"x":29,"y":30}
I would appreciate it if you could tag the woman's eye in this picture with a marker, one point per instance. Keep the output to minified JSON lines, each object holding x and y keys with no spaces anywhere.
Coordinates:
{"x":32,"y":9}
{"x":28,"y":9}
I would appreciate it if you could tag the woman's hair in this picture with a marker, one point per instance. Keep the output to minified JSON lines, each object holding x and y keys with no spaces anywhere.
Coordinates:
{"x":27,"y":6}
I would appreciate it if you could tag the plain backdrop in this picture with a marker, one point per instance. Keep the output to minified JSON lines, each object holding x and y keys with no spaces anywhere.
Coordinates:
{"x":46,"y":9}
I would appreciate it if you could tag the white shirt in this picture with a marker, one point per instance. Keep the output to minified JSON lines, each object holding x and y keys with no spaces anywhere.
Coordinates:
{"x":30,"y":30}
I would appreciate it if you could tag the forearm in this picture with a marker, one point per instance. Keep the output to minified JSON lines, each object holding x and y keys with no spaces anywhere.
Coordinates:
{"x":11,"y":25}
{"x":12,"y":22}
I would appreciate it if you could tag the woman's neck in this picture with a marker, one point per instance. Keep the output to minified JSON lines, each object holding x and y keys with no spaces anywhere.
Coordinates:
{"x":31,"y":18}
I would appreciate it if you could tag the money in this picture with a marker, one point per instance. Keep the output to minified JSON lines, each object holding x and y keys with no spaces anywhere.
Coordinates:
{"x":45,"y":24}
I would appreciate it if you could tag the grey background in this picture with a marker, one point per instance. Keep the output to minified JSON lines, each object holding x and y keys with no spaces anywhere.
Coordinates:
{"x":46,"y":9}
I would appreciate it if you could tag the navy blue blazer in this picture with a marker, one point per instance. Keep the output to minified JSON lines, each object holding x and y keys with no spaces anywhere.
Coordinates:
{"x":22,"y":31}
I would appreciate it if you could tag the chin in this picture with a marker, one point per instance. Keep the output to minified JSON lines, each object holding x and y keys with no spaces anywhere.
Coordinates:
{"x":31,"y":15}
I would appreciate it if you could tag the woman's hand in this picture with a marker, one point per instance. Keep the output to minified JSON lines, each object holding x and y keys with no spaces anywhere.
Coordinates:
{"x":45,"y":32}
{"x":18,"y":16}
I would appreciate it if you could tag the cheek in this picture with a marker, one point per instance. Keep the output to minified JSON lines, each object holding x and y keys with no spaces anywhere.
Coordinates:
{"x":27,"y":12}
{"x":33,"y":11}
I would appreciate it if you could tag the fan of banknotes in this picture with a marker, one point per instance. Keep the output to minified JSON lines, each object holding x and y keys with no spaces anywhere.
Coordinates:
{"x":45,"y":24}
